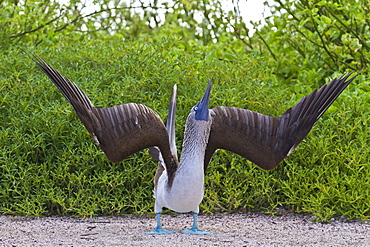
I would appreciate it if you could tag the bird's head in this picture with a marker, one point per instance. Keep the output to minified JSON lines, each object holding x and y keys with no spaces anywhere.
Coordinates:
{"x":199,"y":122}
{"x":201,"y":111}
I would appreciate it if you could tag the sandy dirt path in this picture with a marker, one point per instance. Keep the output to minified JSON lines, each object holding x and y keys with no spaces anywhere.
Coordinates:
{"x":229,"y":230}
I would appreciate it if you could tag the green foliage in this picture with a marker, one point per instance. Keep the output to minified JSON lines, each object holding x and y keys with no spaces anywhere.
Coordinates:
{"x":310,"y":39}
{"x":36,"y":22}
{"x":130,"y":53}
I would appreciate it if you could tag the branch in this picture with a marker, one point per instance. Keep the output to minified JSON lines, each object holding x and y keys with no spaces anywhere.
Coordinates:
{"x":238,"y":33}
{"x":322,"y":41}
{"x":35,"y":29}
{"x":128,"y":7}
{"x":349,"y":29}
{"x":310,"y":40}
{"x":288,"y":10}
{"x":265,"y":43}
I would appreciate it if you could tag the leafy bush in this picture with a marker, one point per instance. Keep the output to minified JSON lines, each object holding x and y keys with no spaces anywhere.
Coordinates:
{"x":310,"y":39}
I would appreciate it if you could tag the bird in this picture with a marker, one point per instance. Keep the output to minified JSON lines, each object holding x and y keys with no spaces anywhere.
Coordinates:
{"x":125,"y":129}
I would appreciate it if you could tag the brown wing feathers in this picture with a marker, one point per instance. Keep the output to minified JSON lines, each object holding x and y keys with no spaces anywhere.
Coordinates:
{"x":266,"y":140}
{"x":308,"y":110}
{"x":119,"y":130}
{"x":65,"y":86}
{"x":246,"y":133}
{"x":128,"y":128}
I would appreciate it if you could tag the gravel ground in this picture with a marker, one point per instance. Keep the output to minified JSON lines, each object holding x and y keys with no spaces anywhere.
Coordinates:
{"x":229,"y":230}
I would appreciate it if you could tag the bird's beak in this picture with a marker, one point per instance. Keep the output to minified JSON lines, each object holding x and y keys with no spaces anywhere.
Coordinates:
{"x":201,"y":109}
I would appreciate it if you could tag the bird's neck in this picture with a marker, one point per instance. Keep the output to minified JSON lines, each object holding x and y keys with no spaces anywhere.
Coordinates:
{"x":194,"y":146}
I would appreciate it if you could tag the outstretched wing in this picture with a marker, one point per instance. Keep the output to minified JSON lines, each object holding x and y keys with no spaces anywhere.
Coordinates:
{"x":266,"y":140}
{"x":120,"y":130}
{"x":170,"y":126}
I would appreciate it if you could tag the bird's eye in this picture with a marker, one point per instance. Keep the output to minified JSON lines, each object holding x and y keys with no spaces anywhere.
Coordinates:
{"x":195,"y":108}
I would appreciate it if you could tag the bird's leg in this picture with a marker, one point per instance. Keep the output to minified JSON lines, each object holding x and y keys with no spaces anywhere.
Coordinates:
{"x":159,"y":229}
{"x":194,"y":229}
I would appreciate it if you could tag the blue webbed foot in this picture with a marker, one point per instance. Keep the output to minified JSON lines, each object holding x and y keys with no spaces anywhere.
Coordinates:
{"x":159,"y":231}
{"x":195,"y":231}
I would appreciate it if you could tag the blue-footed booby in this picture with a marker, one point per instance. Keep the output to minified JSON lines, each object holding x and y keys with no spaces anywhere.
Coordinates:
{"x":125,"y":129}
